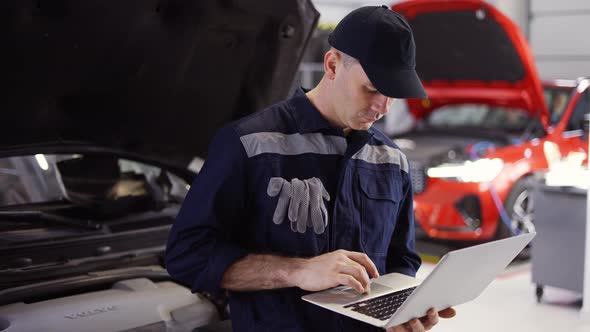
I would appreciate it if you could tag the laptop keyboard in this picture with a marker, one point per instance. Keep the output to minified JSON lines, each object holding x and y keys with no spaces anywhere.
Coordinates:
{"x":382,"y":307}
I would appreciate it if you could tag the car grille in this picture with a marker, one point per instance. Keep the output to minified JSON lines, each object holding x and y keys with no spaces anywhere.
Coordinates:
{"x":418,"y":177}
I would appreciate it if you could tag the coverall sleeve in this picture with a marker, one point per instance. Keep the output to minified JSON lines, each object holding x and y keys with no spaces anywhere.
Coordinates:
{"x":402,"y":256}
{"x":202,"y":244}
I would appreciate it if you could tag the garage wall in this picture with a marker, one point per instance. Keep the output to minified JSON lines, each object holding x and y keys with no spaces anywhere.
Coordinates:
{"x":560,"y":38}
{"x":517,"y":10}
{"x":332,"y":11}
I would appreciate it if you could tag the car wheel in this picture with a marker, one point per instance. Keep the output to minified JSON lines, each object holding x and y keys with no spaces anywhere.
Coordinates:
{"x":519,"y":207}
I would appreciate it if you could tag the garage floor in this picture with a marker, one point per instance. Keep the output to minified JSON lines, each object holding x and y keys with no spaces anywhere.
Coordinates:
{"x":509,"y":304}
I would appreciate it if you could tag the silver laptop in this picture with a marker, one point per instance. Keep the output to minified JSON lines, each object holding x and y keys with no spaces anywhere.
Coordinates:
{"x":460,"y":276}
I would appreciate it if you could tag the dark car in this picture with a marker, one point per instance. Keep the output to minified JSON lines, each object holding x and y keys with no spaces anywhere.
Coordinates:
{"x":104,"y":105}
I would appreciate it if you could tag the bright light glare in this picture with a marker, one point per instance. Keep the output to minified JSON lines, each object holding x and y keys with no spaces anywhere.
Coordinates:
{"x":42,"y":162}
{"x":482,"y":170}
{"x":583,"y":85}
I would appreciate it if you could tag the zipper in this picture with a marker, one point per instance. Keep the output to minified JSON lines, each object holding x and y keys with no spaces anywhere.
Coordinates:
{"x":354,"y":144}
{"x":332,"y":234}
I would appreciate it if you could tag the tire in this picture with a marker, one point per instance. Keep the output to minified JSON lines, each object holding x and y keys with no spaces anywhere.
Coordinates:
{"x":519,"y":207}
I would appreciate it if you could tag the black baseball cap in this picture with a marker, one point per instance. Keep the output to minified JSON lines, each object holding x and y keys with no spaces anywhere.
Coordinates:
{"x":383,"y":43}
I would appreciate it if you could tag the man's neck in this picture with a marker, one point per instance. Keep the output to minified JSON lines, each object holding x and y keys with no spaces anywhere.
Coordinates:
{"x":320,"y":98}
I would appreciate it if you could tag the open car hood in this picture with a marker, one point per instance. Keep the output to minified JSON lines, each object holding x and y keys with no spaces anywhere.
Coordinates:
{"x":152,"y":77}
{"x":469,"y":52}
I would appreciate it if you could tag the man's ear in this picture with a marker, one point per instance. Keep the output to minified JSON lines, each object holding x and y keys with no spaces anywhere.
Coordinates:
{"x":331,"y":60}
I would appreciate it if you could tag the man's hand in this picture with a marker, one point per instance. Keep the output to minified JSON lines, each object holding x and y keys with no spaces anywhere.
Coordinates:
{"x":425,"y":323}
{"x":336,"y":268}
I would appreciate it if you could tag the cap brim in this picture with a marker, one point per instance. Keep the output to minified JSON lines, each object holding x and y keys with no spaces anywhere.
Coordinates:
{"x":395,"y":83}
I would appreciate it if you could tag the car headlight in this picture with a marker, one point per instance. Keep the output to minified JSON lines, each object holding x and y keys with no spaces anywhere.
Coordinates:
{"x":481,"y":170}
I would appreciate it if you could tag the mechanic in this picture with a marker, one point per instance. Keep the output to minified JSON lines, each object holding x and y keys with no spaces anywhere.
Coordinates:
{"x":305,"y":195}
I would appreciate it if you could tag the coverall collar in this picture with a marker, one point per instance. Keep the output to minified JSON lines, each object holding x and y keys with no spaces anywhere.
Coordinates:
{"x":307,"y":117}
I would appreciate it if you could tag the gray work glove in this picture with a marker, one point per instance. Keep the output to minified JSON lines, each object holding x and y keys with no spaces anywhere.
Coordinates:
{"x":302,"y":202}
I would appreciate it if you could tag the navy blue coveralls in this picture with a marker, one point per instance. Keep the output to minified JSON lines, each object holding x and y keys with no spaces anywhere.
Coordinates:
{"x":228,"y":212}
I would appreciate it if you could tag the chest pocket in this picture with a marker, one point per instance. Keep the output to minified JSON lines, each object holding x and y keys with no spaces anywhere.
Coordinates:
{"x":275,"y":232}
{"x":379,"y":201}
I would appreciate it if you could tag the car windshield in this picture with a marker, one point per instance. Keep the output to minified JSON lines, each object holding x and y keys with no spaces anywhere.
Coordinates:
{"x":83,"y":179}
{"x":479,"y":116}
{"x":557,"y":99}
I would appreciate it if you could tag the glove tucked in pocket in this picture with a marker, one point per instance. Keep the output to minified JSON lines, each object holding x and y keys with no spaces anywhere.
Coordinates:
{"x":302,"y":201}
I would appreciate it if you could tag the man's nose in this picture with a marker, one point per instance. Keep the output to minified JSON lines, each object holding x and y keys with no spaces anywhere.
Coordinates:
{"x":381,"y":103}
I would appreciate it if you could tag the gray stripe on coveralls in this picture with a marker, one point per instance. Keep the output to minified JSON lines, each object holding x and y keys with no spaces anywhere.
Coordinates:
{"x":292,"y":144}
{"x":382,"y":154}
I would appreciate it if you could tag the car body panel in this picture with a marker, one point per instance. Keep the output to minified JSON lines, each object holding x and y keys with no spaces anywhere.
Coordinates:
{"x":481,"y":56}
{"x":143,"y":77}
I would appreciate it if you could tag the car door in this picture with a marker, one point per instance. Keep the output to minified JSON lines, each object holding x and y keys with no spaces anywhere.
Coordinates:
{"x":574,"y":137}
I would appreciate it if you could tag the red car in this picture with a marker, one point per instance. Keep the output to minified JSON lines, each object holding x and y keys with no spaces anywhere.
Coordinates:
{"x":479,"y":137}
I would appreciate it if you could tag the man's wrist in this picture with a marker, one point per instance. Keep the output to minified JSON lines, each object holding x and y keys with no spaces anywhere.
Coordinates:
{"x":293,"y":272}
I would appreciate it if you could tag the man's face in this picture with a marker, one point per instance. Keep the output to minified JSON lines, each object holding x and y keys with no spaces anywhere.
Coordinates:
{"x":357,"y":103}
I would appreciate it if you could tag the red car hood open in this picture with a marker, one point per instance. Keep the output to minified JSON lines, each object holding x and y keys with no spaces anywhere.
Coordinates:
{"x":469,"y":52}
